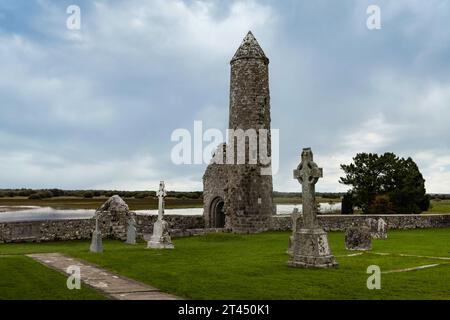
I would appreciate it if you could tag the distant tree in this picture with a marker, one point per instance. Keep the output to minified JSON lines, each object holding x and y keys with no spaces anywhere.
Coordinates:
{"x":88,"y":195}
{"x":347,"y":204}
{"x":57,"y":192}
{"x":381,"y":205}
{"x":24,"y":192}
{"x":96,"y":193}
{"x":46,"y":194}
{"x":397,"y":180}
{"x":141,"y":195}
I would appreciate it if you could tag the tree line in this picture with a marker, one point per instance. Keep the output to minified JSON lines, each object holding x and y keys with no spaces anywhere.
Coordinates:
{"x":380,"y":184}
{"x":87,"y":194}
{"x":52,"y":193}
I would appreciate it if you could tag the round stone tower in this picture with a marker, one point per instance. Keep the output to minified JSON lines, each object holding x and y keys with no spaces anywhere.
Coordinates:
{"x":248,"y":202}
{"x":237,"y":191}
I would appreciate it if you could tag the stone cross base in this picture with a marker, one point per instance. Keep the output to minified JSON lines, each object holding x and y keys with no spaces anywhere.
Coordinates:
{"x":130,"y":240}
{"x":161,"y":243}
{"x":161,"y":238}
{"x":96,"y":243}
{"x":311,"y":250}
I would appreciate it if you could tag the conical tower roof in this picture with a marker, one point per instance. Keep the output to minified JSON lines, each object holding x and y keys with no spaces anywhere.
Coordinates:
{"x":249,"y":48}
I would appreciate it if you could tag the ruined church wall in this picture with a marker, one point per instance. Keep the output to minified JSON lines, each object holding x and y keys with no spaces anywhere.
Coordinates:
{"x":214,"y":183}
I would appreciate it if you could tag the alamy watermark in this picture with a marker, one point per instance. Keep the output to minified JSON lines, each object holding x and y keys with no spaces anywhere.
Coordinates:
{"x":373,"y":21}
{"x":74,"y":279}
{"x":249,"y":146}
{"x":73,"y":22}
{"x":374,"y":280}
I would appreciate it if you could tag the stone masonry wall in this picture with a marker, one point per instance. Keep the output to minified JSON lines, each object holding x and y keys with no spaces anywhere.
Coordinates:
{"x":341,"y":222}
{"x":215,"y":180}
{"x":177,"y":223}
{"x":47,"y":230}
{"x":81,"y":229}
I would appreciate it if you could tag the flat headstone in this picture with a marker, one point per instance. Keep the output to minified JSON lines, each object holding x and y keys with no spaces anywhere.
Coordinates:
{"x":25,"y":231}
{"x":358,"y":238}
{"x":295,"y":216}
{"x":96,"y":242}
{"x":131,"y":231}
{"x":378,"y":228}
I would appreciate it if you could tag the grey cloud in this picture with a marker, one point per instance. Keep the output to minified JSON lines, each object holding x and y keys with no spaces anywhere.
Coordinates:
{"x":112,"y":93}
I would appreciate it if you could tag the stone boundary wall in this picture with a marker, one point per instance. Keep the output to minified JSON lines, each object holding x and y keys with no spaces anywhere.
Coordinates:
{"x":341,"y":222}
{"x":178,"y":224}
{"x":46,"y":230}
{"x":81,"y":229}
{"x":78,"y":229}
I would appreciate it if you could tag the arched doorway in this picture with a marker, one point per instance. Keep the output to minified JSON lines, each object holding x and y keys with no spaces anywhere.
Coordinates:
{"x":217,"y":213}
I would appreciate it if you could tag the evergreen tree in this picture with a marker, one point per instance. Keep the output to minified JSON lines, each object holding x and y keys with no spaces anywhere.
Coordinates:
{"x":386,"y":183}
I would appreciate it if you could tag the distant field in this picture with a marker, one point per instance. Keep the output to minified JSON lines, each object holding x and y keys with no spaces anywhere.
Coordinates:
{"x":134,"y":204}
{"x":298,"y":200}
{"x":438,"y":206}
{"x":82,"y":203}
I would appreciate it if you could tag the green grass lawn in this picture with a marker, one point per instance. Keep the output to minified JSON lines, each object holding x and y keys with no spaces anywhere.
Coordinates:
{"x":440,"y":206}
{"x":23,"y":278}
{"x":228,"y":266}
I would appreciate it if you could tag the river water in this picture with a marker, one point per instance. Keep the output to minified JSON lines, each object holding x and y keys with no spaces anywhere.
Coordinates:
{"x":32,"y":213}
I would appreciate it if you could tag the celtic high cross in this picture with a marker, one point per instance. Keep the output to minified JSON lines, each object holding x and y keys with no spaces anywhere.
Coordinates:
{"x":161,"y":194}
{"x":308,"y":173}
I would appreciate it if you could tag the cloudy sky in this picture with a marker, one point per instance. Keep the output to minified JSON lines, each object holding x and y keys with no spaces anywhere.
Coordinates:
{"x":95,"y":107}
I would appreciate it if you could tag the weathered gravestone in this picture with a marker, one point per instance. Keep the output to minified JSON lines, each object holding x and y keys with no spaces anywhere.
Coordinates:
{"x":378,"y":228}
{"x":295,"y":215}
{"x":358,"y":238}
{"x":25,"y":231}
{"x":96,"y":242}
{"x":160,"y":238}
{"x":131,"y":230}
{"x":310,"y":247}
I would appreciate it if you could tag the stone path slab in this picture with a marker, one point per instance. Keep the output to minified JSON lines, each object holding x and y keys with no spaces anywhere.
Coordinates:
{"x":113,"y":285}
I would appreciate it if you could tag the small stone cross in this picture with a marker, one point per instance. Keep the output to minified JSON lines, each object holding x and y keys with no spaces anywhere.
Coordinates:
{"x":161,"y":194}
{"x":308,"y":173}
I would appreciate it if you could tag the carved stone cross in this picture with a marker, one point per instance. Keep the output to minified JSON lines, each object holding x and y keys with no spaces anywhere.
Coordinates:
{"x":308,"y":173}
{"x":161,"y":194}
